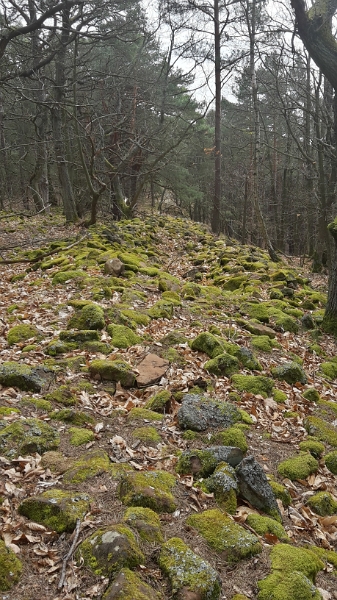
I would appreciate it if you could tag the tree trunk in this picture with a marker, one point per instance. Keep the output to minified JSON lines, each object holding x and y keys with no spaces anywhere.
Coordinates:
{"x":217,"y":157}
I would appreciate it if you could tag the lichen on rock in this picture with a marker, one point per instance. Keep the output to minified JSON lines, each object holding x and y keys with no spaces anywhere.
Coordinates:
{"x":146,"y":522}
{"x":28,"y":436}
{"x":151,"y":489}
{"x":56,"y":509}
{"x":291,"y":372}
{"x":199,"y":412}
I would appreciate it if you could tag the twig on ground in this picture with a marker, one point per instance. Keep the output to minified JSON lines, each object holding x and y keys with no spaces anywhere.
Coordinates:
{"x":68,"y":556}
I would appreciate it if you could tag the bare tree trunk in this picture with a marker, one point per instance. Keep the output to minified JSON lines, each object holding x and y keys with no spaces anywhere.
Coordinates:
{"x":217,"y":157}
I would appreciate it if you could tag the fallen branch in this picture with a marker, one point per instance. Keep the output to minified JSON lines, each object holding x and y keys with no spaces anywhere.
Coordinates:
{"x":68,"y":556}
{"x":45,"y":255}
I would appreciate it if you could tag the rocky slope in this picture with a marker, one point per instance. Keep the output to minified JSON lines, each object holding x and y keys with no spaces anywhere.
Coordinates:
{"x":167,"y":418}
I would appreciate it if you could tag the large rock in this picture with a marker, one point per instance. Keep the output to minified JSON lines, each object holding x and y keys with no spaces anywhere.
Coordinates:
{"x":24,"y":377}
{"x":290,"y":372}
{"x":128,"y":586}
{"x":255,"y":488}
{"x":110,"y":549}
{"x":56,"y":509}
{"x":151,"y":369}
{"x":114,"y":267}
{"x":223,"y":484}
{"x":190,"y":576}
{"x":198,"y":412}
{"x":203,"y":462}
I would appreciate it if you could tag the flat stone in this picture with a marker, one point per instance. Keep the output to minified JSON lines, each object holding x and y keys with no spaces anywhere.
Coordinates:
{"x":114,"y":267}
{"x":254,"y":487}
{"x":257,"y":329}
{"x":151,"y":369}
{"x":198,"y":412}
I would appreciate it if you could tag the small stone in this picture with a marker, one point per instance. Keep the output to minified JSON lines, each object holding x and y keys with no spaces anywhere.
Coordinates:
{"x":198,"y":412}
{"x":151,"y":369}
{"x":255,"y":488}
{"x":114,"y":267}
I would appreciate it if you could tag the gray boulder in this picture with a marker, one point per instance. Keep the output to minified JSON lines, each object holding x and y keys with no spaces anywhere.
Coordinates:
{"x":198,"y":412}
{"x":254,"y":487}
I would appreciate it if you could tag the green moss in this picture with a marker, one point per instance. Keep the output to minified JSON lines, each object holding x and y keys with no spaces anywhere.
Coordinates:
{"x":291,"y":372}
{"x":206,"y":459}
{"x":136,"y":317}
{"x":116,"y":370}
{"x":312,"y":395}
{"x":313,"y":446}
{"x":162,"y":309}
{"x":10,"y":568}
{"x":293,"y":574}
{"x":39,"y":403}
{"x":263,"y":343}
{"x":189,"y":435}
{"x":63,"y":276}
{"x":146,"y":522}
{"x":128,"y":586}
{"x":223,"y":365}
{"x":67,"y":415}
{"x":7,"y":410}
{"x":150,"y":489}
{"x":21,"y":333}
{"x":323,"y":504}
{"x":92,"y":464}
{"x":223,"y":484}
{"x":188,"y":573}
{"x":279,"y":396}
{"x":263,"y":525}
{"x":146,"y":434}
{"x":329,"y":369}
{"x":208,"y":343}
{"x":322,"y":430}
{"x":225,"y":536}
{"x":90,"y":317}
{"x":28,"y":436}
{"x":298,"y":467}
{"x":56,"y":347}
{"x":56,"y":509}
{"x":79,"y":436}
{"x":122,"y":336}
{"x":137,"y":414}
{"x":97,"y":347}
{"x":159,"y":401}
{"x":172,"y":297}
{"x":280,"y":492}
{"x":62,"y":395}
{"x":173,"y":338}
{"x":330,"y":460}
{"x":107,"y":550}
{"x":190,"y":291}
{"x":233,"y":436}
{"x":234,"y":283}
{"x":30,"y":348}
{"x":254,"y":384}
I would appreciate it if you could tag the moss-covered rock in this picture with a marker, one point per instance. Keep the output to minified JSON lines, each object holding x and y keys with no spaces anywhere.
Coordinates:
{"x":263,"y":343}
{"x":122,"y":336}
{"x":56,"y":347}
{"x":312,"y":395}
{"x":293,"y":575}
{"x":10,"y":568}
{"x":234,"y":283}
{"x":158,"y":402}
{"x":330,"y":460}
{"x":56,"y":461}
{"x":207,"y":343}
{"x":24,"y":377}
{"x":113,"y":370}
{"x":224,"y":485}
{"x":90,"y":317}
{"x":323,"y":504}
{"x":188,"y":573}
{"x":298,"y":467}
{"x":263,"y":525}
{"x":148,"y":435}
{"x":56,"y":509}
{"x":92,"y":464}
{"x":329,"y":369}
{"x":146,"y":522}
{"x":199,"y":412}
{"x":128,"y":586}
{"x":321,"y":429}
{"x":224,"y":536}
{"x":80,"y":436}
{"x":61,"y":277}
{"x":233,"y":436}
{"x":172,"y":297}
{"x":28,"y":436}
{"x":107,"y":550}
{"x":313,"y":446}
{"x":291,"y":372}
{"x":280,"y":492}
{"x":203,"y":462}
{"x":62,"y":395}
{"x":162,"y":309}
{"x":21,"y":333}
{"x":68,"y":415}
{"x":80,"y":337}
{"x":223,"y":365}
{"x":140,"y":414}
{"x":254,"y":384}
{"x":279,"y":396}
{"x":173,"y":338}
{"x":151,"y":489}
{"x":133,"y":318}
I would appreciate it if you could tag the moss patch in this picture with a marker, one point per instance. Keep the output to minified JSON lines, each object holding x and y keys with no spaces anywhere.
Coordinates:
{"x":152,"y":489}
{"x":92,"y":464}
{"x":298,"y":467}
{"x":21,"y":333}
{"x":63,"y":395}
{"x":330,"y":460}
{"x":313,"y":446}
{"x":188,"y":573}
{"x":263,"y":525}
{"x":291,"y":372}
{"x":146,"y":522}
{"x":137,"y":414}
{"x":90,"y":317}
{"x":223,"y":365}
{"x":128,"y":586}
{"x":122,"y":336}
{"x":254,"y":384}
{"x":146,"y":434}
{"x":113,"y":370}
{"x":322,"y":430}
{"x":10,"y":568}
{"x":79,"y":436}
{"x":223,"y":484}
{"x":233,"y":436}
{"x":224,"y":536}
{"x":56,"y":509}
{"x":158,"y":402}
{"x":27,"y":437}
{"x":67,"y":415}
{"x":207,"y":343}
{"x":312,"y":395}
{"x":323,"y":504}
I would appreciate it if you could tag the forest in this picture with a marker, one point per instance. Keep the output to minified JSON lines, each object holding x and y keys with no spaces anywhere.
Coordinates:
{"x":168,"y":300}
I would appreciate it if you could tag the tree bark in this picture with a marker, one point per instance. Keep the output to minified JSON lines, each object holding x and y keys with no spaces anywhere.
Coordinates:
{"x":217,"y":150}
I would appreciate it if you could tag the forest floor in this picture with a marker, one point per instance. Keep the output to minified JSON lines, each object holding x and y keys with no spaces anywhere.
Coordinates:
{"x":200,"y":269}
